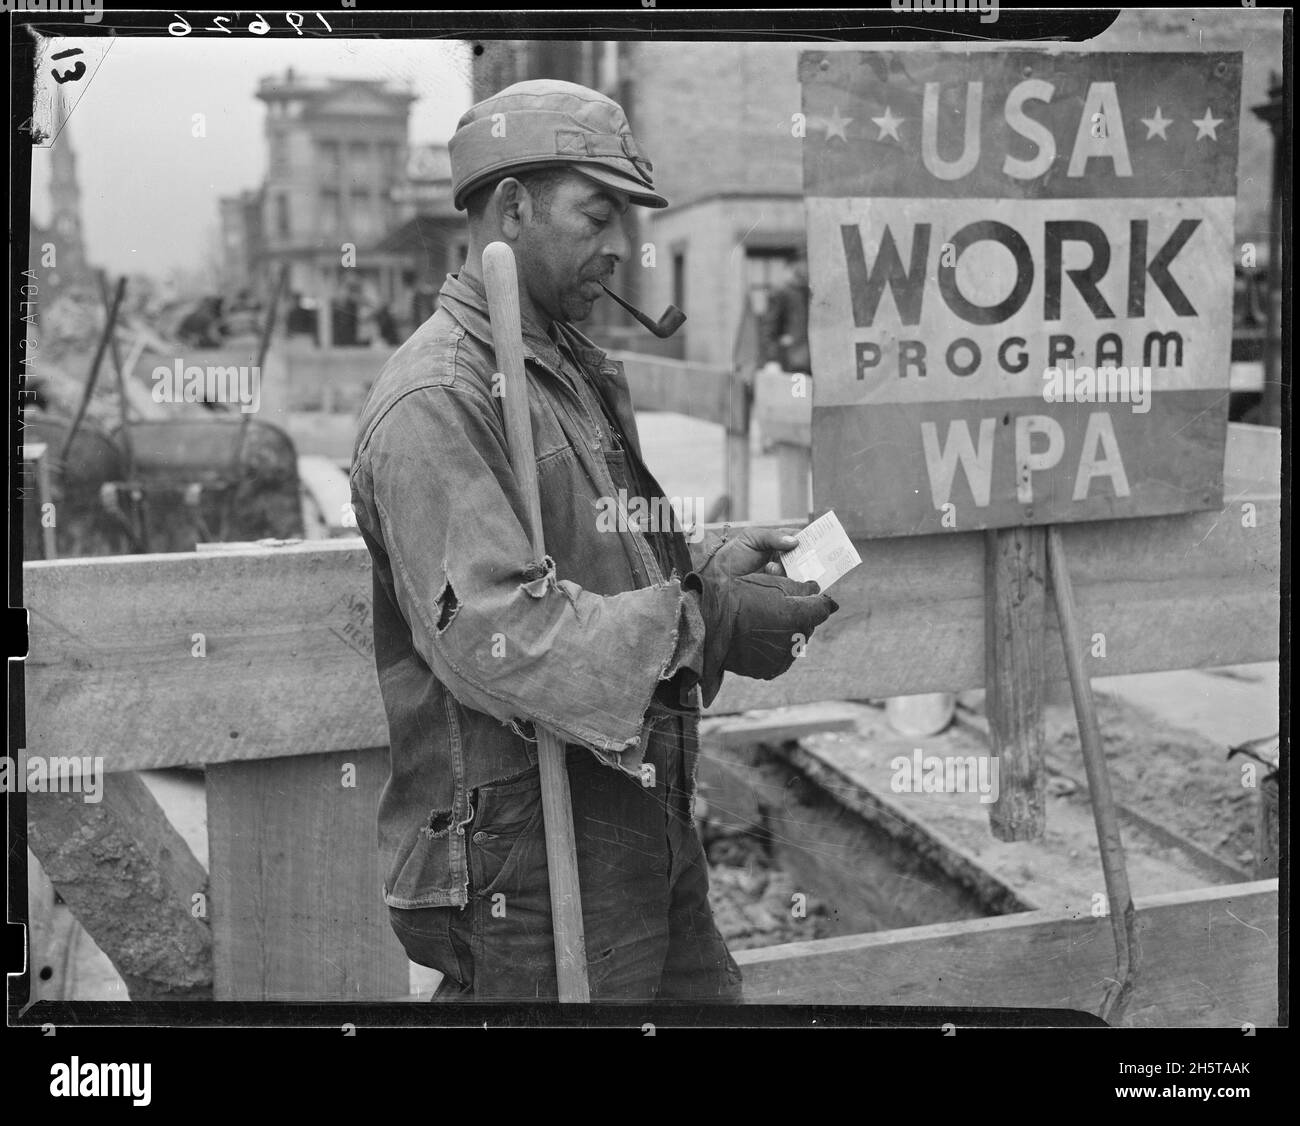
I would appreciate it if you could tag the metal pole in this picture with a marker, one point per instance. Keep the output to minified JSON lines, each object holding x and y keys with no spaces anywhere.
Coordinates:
{"x":1123,"y":916}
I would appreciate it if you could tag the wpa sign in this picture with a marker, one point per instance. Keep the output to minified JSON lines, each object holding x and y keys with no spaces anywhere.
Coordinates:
{"x":1021,"y":268}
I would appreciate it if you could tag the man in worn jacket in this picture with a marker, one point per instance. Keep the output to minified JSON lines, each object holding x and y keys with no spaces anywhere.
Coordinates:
{"x":611,"y":641}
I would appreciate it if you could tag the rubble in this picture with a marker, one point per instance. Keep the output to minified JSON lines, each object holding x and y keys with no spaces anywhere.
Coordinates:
{"x":753,"y":900}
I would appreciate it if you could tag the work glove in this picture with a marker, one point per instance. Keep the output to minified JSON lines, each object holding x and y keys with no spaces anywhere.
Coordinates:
{"x":751,"y":620}
{"x":754,"y":549}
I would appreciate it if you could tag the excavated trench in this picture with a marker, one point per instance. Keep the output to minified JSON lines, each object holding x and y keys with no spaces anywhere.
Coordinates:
{"x":808,"y":839}
{"x":790,"y":862}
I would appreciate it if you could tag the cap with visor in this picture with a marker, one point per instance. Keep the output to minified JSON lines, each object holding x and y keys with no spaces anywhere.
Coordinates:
{"x":546,"y":123}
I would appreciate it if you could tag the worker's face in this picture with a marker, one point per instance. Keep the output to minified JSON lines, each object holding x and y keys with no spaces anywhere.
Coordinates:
{"x":567,"y":251}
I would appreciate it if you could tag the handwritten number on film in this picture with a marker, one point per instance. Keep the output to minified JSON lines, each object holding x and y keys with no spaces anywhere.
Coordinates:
{"x":76,"y":70}
{"x":258,"y":26}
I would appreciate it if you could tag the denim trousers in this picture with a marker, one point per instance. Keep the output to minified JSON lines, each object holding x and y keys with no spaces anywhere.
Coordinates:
{"x":643,"y":877}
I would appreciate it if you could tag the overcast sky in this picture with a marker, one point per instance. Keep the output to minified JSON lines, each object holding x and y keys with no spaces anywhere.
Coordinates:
{"x":149,"y":189}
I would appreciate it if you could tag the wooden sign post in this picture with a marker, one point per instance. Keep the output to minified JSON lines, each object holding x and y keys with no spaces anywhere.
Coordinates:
{"x":1021,"y":265}
{"x":1021,"y":270}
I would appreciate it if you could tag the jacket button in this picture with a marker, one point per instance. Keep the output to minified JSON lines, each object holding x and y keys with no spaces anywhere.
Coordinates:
{"x":479,"y":838}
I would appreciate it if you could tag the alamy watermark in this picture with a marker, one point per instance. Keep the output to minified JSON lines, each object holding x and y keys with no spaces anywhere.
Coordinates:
{"x":193,"y":384}
{"x":53,"y":774}
{"x":622,"y":513}
{"x":102,"y":1080}
{"x":945,"y":774}
{"x":1107,"y":384}
{"x":93,"y":9}
{"x":988,"y":9}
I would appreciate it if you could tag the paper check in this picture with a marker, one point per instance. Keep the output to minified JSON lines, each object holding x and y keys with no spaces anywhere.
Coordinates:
{"x":825,"y":553}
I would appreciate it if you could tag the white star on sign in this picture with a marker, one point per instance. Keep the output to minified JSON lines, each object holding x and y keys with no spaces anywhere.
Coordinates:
{"x":888,"y":125}
{"x":1206,"y":126}
{"x":835,"y":125}
{"x":1157,"y":125}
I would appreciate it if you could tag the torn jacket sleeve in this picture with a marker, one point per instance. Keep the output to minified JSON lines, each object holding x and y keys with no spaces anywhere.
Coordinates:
{"x":688,"y":657}
{"x":688,"y":660}
{"x":497,"y":627}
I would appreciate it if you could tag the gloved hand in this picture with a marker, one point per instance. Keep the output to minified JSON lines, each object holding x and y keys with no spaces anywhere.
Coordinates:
{"x":750,"y":620}
{"x":754,"y":549}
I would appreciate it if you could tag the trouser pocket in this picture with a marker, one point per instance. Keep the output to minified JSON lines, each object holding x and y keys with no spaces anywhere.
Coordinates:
{"x":507,"y":824}
{"x":509,"y":892}
{"x":437,"y":937}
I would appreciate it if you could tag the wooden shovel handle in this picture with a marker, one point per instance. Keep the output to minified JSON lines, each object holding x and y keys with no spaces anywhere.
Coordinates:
{"x":502,"y":284}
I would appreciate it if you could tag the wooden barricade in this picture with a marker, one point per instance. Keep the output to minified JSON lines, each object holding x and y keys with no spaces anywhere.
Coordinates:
{"x":258,"y":663}
{"x":1211,"y":960}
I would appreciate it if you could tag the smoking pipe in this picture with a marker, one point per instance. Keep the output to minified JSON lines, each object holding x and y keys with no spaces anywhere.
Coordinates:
{"x":673,"y":318}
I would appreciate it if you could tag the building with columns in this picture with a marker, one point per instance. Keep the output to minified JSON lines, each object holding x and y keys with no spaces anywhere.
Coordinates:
{"x":346,"y":198}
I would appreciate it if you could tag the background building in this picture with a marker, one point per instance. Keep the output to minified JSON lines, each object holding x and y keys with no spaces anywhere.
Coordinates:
{"x":64,"y":231}
{"x":431,"y":238}
{"x":241,"y":238}
{"x":343,"y":181}
{"x":337,"y":149}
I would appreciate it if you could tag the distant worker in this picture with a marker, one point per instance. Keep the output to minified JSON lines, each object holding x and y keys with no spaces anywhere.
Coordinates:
{"x":302,"y":318}
{"x":785,"y":325}
{"x":347,"y":318}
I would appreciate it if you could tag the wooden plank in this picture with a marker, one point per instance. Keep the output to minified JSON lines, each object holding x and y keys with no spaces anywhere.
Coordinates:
{"x":130,"y":879}
{"x":297,"y":904}
{"x":778,"y":725}
{"x":659,"y":384}
{"x":330,"y":379}
{"x":288,"y":665}
{"x":1015,"y":608}
{"x":288,"y":630}
{"x":1210,"y":961}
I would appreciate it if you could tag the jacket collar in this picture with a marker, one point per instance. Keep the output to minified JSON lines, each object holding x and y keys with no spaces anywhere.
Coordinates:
{"x":465,"y":299}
